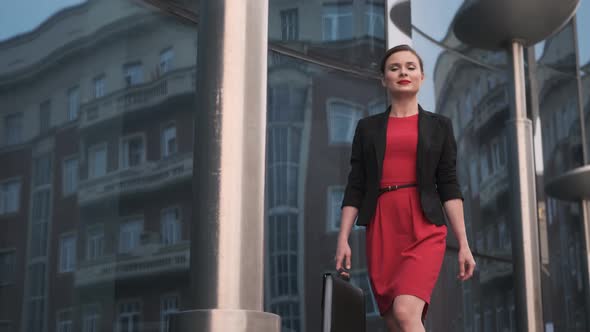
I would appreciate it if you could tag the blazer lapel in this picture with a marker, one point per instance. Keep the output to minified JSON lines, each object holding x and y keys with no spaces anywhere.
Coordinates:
{"x":422,"y":129}
{"x":381,"y":139}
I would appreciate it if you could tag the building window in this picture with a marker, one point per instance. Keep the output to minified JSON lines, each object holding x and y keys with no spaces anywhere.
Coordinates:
{"x":99,"y":86}
{"x":133,"y":151}
{"x":44,"y":116}
{"x":498,"y":147}
{"x":361,"y":280}
{"x":129,"y":235}
{"x":474,"y":176}
{"x":64,"y":321}
{"x":91,"y":318}
{"x":289,"y":313}
{"x":487,"y":321}
{"x":166,"y":59}
{"x":169,"y":142}
{"x":337,"y":23}
{"x":342,"y":119}
{"x":67,"y":253}
{"x":73,"y":103}
{"x":95,"y":243}
{"x":168,"y":306}
{"x":504,"y":234}
{"x":13,"y":128}
{"x":133,"y":73}
{"x":290,"y":24}
{"x":283,"y":165}
{"x":128,"y":318}
{"x":283,"y":254}
{"x":335,"y":197}
{"x":374,"y":18}
{"x":40,"y":219}
{"x":42,"y":170}
{"x":70,"y":176}
{"x":97,"y":160}
{"x":7,"y":267}
{"x":9,"y":196}
{"x":171,"y":226}
{"x":484,"y":163}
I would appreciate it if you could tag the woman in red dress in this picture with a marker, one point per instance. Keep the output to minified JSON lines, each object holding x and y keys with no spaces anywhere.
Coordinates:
{"x":403,"y":174}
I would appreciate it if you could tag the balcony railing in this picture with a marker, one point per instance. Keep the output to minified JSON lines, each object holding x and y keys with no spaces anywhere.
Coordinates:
{"x":494,"y":185}
{"x":148,"y":176}
{"x":494,"y":270}
{"x":489,"y":107}
{"x":166,"y":260}
{"x":137,"y":97}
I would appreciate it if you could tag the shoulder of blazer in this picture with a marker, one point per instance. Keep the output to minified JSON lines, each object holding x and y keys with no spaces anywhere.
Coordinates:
{"x":375,"y":119}
{"x":442,"y":120}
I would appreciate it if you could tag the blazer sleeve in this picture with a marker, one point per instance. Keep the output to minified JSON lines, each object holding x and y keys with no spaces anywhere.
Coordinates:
{"x":446,"y":171}
{"x":355,"y":188}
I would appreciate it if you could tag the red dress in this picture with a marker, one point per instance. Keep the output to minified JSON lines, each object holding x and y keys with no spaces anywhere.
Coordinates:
{"x":404,"y":250}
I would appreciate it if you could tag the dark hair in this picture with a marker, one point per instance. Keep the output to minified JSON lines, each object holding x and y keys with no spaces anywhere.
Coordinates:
{"x":396,"y":49}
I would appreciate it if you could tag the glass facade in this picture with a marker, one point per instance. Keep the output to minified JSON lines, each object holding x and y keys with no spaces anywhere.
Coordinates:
{"x":472,"y":88}
{"x":322,"y":78}
{"x":97,"y":110}
{"x":97,"y":105}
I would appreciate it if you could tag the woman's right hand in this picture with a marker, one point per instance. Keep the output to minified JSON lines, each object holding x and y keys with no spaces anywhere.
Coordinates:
{"x":343,"y":257}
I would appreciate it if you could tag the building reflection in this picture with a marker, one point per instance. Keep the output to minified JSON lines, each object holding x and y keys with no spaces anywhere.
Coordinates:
{"x":322,"y":78}
{"x":97,"y":107}
{"x":563,"y":286}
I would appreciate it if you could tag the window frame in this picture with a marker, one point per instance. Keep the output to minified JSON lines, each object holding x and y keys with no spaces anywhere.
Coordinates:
{"x":3,"y":183}
{"x":71,"y":267}
{"x":124,"y":152}
{"x":64,"y":176}
{"x":91,"y":160}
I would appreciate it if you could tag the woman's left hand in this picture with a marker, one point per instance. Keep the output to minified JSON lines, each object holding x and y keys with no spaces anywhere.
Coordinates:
{"x":466,"y":264}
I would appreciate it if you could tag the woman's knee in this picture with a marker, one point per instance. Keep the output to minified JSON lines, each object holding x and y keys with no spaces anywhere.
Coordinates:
{"x":407,"y":311}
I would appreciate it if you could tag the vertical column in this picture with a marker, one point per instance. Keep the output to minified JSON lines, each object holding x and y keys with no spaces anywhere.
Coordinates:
{"x":584,"y":202}
{"x":230,"y":133}
{"x":525,"y":244}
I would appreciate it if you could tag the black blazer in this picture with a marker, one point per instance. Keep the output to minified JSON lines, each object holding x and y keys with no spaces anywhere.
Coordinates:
{"x":435,"y":165}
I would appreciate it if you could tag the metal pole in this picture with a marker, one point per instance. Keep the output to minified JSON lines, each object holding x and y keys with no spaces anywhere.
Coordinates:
{"x":525,"y":244}
{"x":227,"y":232}
{"x":583,"y":202}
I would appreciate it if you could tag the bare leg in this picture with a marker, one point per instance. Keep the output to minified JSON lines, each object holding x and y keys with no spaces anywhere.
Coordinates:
{"x":407,"y":312}
{"x":390,"y":321}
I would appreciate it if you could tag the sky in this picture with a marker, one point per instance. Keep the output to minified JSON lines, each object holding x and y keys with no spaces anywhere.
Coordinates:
{"x":19,"y":16}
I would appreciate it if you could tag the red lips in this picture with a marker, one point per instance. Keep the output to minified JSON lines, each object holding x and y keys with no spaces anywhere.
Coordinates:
{"x":404,"y":82}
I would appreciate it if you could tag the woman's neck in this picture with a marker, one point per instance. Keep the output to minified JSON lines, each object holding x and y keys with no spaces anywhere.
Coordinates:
{"x":404,"y":107}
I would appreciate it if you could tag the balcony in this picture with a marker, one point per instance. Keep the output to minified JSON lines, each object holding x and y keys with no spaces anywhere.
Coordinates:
{"x":494,"y":270}
{"x":149,"y":176}
{"x":494,"y":185}
{"x":138,"y":97}
{"x":144,"y":262}
{"x":489,"y":107}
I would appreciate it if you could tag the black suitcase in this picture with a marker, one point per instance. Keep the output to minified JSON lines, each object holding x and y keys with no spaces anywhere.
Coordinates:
{"x":343,"y":305}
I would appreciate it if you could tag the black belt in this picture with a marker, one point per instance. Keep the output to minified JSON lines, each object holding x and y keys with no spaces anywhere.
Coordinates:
{"x":395,"y":187}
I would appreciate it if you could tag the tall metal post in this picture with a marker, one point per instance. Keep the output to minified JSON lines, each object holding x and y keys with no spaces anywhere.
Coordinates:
{"x":227,"y":232}
{"x":525,"y":244}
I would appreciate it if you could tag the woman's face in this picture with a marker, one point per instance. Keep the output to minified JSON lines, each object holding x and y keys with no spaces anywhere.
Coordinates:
{"x":403,"y":75}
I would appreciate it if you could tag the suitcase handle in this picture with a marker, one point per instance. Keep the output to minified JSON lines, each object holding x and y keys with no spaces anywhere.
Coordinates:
{"x":340,"y":274}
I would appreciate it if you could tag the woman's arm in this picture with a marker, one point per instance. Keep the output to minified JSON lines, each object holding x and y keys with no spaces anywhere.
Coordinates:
{"x":343,"y":252}
{"x":454,"y":211}
{"x":353,"y":197}
{"x":452,"y":198}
